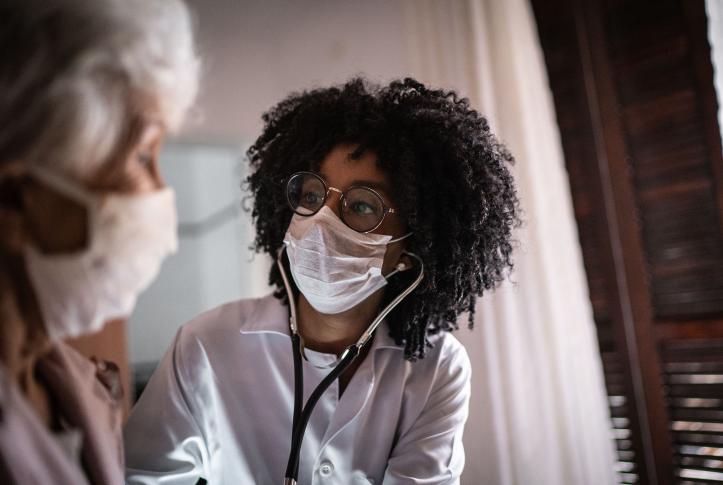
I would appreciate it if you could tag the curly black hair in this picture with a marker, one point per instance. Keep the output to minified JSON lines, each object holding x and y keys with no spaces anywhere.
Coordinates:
{"x":451,"y":177}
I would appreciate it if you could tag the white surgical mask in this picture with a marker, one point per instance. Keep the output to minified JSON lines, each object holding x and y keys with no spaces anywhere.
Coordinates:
{"x":128,"y":237}
{"x":334,"y":266}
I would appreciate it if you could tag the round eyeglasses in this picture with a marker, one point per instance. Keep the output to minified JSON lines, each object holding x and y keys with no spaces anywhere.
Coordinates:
{"x":361,"y":208}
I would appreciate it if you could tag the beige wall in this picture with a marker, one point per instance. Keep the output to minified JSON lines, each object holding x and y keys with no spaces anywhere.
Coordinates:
{"x":256,"y":52}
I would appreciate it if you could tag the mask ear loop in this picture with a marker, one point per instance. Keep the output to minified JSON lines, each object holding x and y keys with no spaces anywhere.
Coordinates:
{"x":401,"y":238}
{"x":62,"y":184}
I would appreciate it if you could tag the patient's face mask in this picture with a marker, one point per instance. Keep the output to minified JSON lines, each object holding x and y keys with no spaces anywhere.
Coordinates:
{"x":129,"y":236}
{"x":334,"y":266}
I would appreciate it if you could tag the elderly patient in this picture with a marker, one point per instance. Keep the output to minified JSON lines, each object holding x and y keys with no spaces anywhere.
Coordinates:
{"x":88,"y":90}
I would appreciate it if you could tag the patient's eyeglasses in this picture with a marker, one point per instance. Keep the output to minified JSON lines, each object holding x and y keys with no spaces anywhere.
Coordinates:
{"x":361,"y":208}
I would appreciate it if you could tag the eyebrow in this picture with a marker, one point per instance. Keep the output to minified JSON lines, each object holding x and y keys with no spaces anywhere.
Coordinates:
{"x":378,"y":186}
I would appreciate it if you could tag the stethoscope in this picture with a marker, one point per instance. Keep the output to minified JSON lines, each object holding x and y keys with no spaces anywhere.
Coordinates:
{"x":302,"y":414}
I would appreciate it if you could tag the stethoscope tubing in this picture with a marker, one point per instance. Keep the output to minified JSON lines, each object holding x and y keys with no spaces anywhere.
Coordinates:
{"x":303,"y":414}
{"x":298,"y":399}
{"x":292,"y":466}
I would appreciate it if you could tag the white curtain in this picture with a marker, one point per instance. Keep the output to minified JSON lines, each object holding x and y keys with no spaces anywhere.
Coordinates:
{"x":714,"y":11}
{"x":539,"y":412}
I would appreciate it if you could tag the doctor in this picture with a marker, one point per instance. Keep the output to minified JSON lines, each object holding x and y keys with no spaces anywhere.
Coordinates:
{"x":389,"y":211}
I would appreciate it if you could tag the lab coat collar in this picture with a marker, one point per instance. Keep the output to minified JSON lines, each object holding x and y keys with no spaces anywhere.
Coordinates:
{"x":270,"y":315}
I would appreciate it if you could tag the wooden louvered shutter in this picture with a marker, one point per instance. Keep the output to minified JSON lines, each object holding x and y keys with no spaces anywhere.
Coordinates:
{"x":633,"y":89}
{"x":693,"y":370}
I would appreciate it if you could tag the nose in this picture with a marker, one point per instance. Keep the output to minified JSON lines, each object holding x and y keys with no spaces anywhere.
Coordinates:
{"x":333,"y":200}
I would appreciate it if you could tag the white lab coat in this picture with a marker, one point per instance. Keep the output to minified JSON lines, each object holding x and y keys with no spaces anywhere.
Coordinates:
{"x":220,"y":407}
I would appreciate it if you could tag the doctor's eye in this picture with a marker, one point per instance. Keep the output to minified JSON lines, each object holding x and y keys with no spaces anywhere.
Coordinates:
{"x":311,"y":200}
{"x":362,"y":208}
{"x":305,"y":193}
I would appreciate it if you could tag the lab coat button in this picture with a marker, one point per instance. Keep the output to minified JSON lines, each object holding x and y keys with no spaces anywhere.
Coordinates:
{"x":326,"y":468}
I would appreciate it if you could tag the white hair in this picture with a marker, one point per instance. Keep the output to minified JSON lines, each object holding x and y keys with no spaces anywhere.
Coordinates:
{"x":75,"y":75}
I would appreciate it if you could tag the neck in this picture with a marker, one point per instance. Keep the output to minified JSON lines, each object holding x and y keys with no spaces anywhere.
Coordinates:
{"x":22,"y":338}
{"x":332,"y":334}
